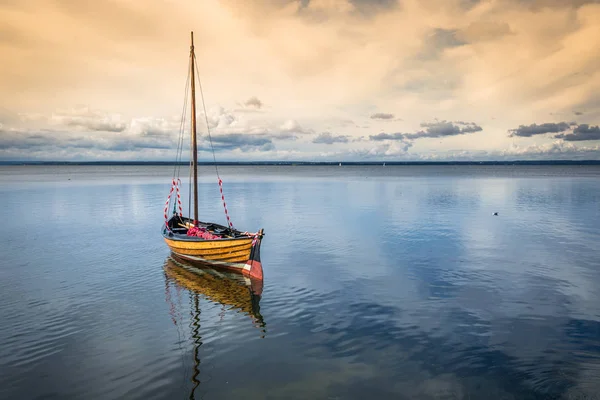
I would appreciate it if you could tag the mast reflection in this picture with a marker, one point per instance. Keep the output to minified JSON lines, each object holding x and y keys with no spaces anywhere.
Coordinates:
{"x":233,"y":291}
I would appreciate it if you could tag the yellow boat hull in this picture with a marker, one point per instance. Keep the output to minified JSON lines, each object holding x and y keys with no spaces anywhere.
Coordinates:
{"x":223,"y":250}
{"x":238,"y":251}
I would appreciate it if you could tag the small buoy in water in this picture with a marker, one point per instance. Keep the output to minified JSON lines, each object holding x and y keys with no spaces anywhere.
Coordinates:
{"x":496,"y":213}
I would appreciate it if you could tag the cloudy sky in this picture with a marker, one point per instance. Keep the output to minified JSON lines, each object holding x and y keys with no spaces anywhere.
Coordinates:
{"x":302,"y":79}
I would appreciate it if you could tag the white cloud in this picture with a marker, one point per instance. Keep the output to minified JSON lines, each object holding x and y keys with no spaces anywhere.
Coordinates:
{"x":85,"y":118}
{"x":220,"y":120}
{"x":292,"y":126}
{"x":149,"y":126}
{"x":82,"y":134}
{"x":557,"y":148}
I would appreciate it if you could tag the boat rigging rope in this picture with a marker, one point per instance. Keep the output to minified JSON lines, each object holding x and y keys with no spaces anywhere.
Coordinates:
{"x":174,"y":187}
{"x":178,"y":155}
{"x":175,"y":181}
{"x":212,"y":148}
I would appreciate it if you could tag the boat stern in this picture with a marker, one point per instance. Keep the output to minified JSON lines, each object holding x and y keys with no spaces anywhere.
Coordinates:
{"x":253,"y":267}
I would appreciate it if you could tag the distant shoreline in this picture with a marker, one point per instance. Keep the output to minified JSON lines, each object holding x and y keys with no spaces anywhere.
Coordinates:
{"x":327,"y":163}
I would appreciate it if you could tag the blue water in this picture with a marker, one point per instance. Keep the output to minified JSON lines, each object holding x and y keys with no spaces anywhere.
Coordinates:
{"x":393,"y":282}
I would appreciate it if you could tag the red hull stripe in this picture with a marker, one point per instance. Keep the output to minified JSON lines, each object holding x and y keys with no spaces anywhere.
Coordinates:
{"x":253,"y":269}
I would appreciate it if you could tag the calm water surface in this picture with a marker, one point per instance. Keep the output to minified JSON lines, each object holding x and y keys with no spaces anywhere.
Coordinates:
{"x":391,"y":282}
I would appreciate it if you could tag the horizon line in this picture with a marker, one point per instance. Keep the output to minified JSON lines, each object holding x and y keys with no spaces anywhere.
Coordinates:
{"x":298,"y":162}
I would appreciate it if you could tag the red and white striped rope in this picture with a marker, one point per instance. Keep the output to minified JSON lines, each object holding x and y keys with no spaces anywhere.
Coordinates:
{"x":225,"y":204}
{"x":167,"y":207}
{"x":253,"y":235}
{"x":177,"y":183}
{"x":174,"y":186}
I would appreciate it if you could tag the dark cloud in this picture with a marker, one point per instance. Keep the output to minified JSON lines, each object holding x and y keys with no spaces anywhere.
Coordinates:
{"x":468,"y":4}
{"x":328,"y":138}
{"x":577,"y":113}
{"x":88,"y":119}
{"x":361,"y":8}
{"x":432,"y":130}
{"x":372,"y":7}
{"x":11,"y":139}
{"x":382,"y":116}
{"x":59,"y":144}
{"x":106,"y":126}
{"x":365,"y":8}
{"x":92,"y":132}
{"x":444,"y":128}
{"x":284,"y":136}
{"x":445,"y":38}
{"x":580,"y":133}
{"x":156,"y":132}
{"x":254,"y":102}
{"x":386,"y":136}
{"x":240,"y":141}
{"x":542,"y":4}
{"x":480,"y":31}
{"x":130,"y":144}
{"x":439,"y":40}
{"x":47,"y":140}
{"x":535,"y":129}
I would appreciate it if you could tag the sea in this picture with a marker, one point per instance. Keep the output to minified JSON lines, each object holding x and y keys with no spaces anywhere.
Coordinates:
{"x":380,"y":282}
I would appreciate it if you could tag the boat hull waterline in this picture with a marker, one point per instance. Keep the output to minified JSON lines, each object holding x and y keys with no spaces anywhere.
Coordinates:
{"x":247,"y":265}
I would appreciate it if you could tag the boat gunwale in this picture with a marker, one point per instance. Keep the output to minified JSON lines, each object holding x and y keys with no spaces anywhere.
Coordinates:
{"x":178,"y":237}
{"x":183,"y":237}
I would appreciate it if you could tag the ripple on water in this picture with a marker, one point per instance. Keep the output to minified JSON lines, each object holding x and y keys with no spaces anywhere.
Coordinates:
{"x":27,"y":345}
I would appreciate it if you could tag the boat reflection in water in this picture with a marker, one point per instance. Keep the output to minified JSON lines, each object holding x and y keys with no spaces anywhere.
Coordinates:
{"x":235,"y":292}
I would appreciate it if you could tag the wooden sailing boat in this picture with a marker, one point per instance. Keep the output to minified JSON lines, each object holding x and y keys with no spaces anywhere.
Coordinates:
{"x":208,"y":242}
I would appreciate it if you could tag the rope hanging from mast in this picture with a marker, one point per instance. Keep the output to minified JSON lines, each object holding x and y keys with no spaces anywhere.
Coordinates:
{"x":175,"y":180}
{"x":192,"y":74}
{"x":220,"y":181}
{"x":177,"y":202}
{"x":178,"y":155}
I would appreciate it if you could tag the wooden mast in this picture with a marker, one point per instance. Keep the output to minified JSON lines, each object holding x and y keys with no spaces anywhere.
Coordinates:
{"x":194,"y":142}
